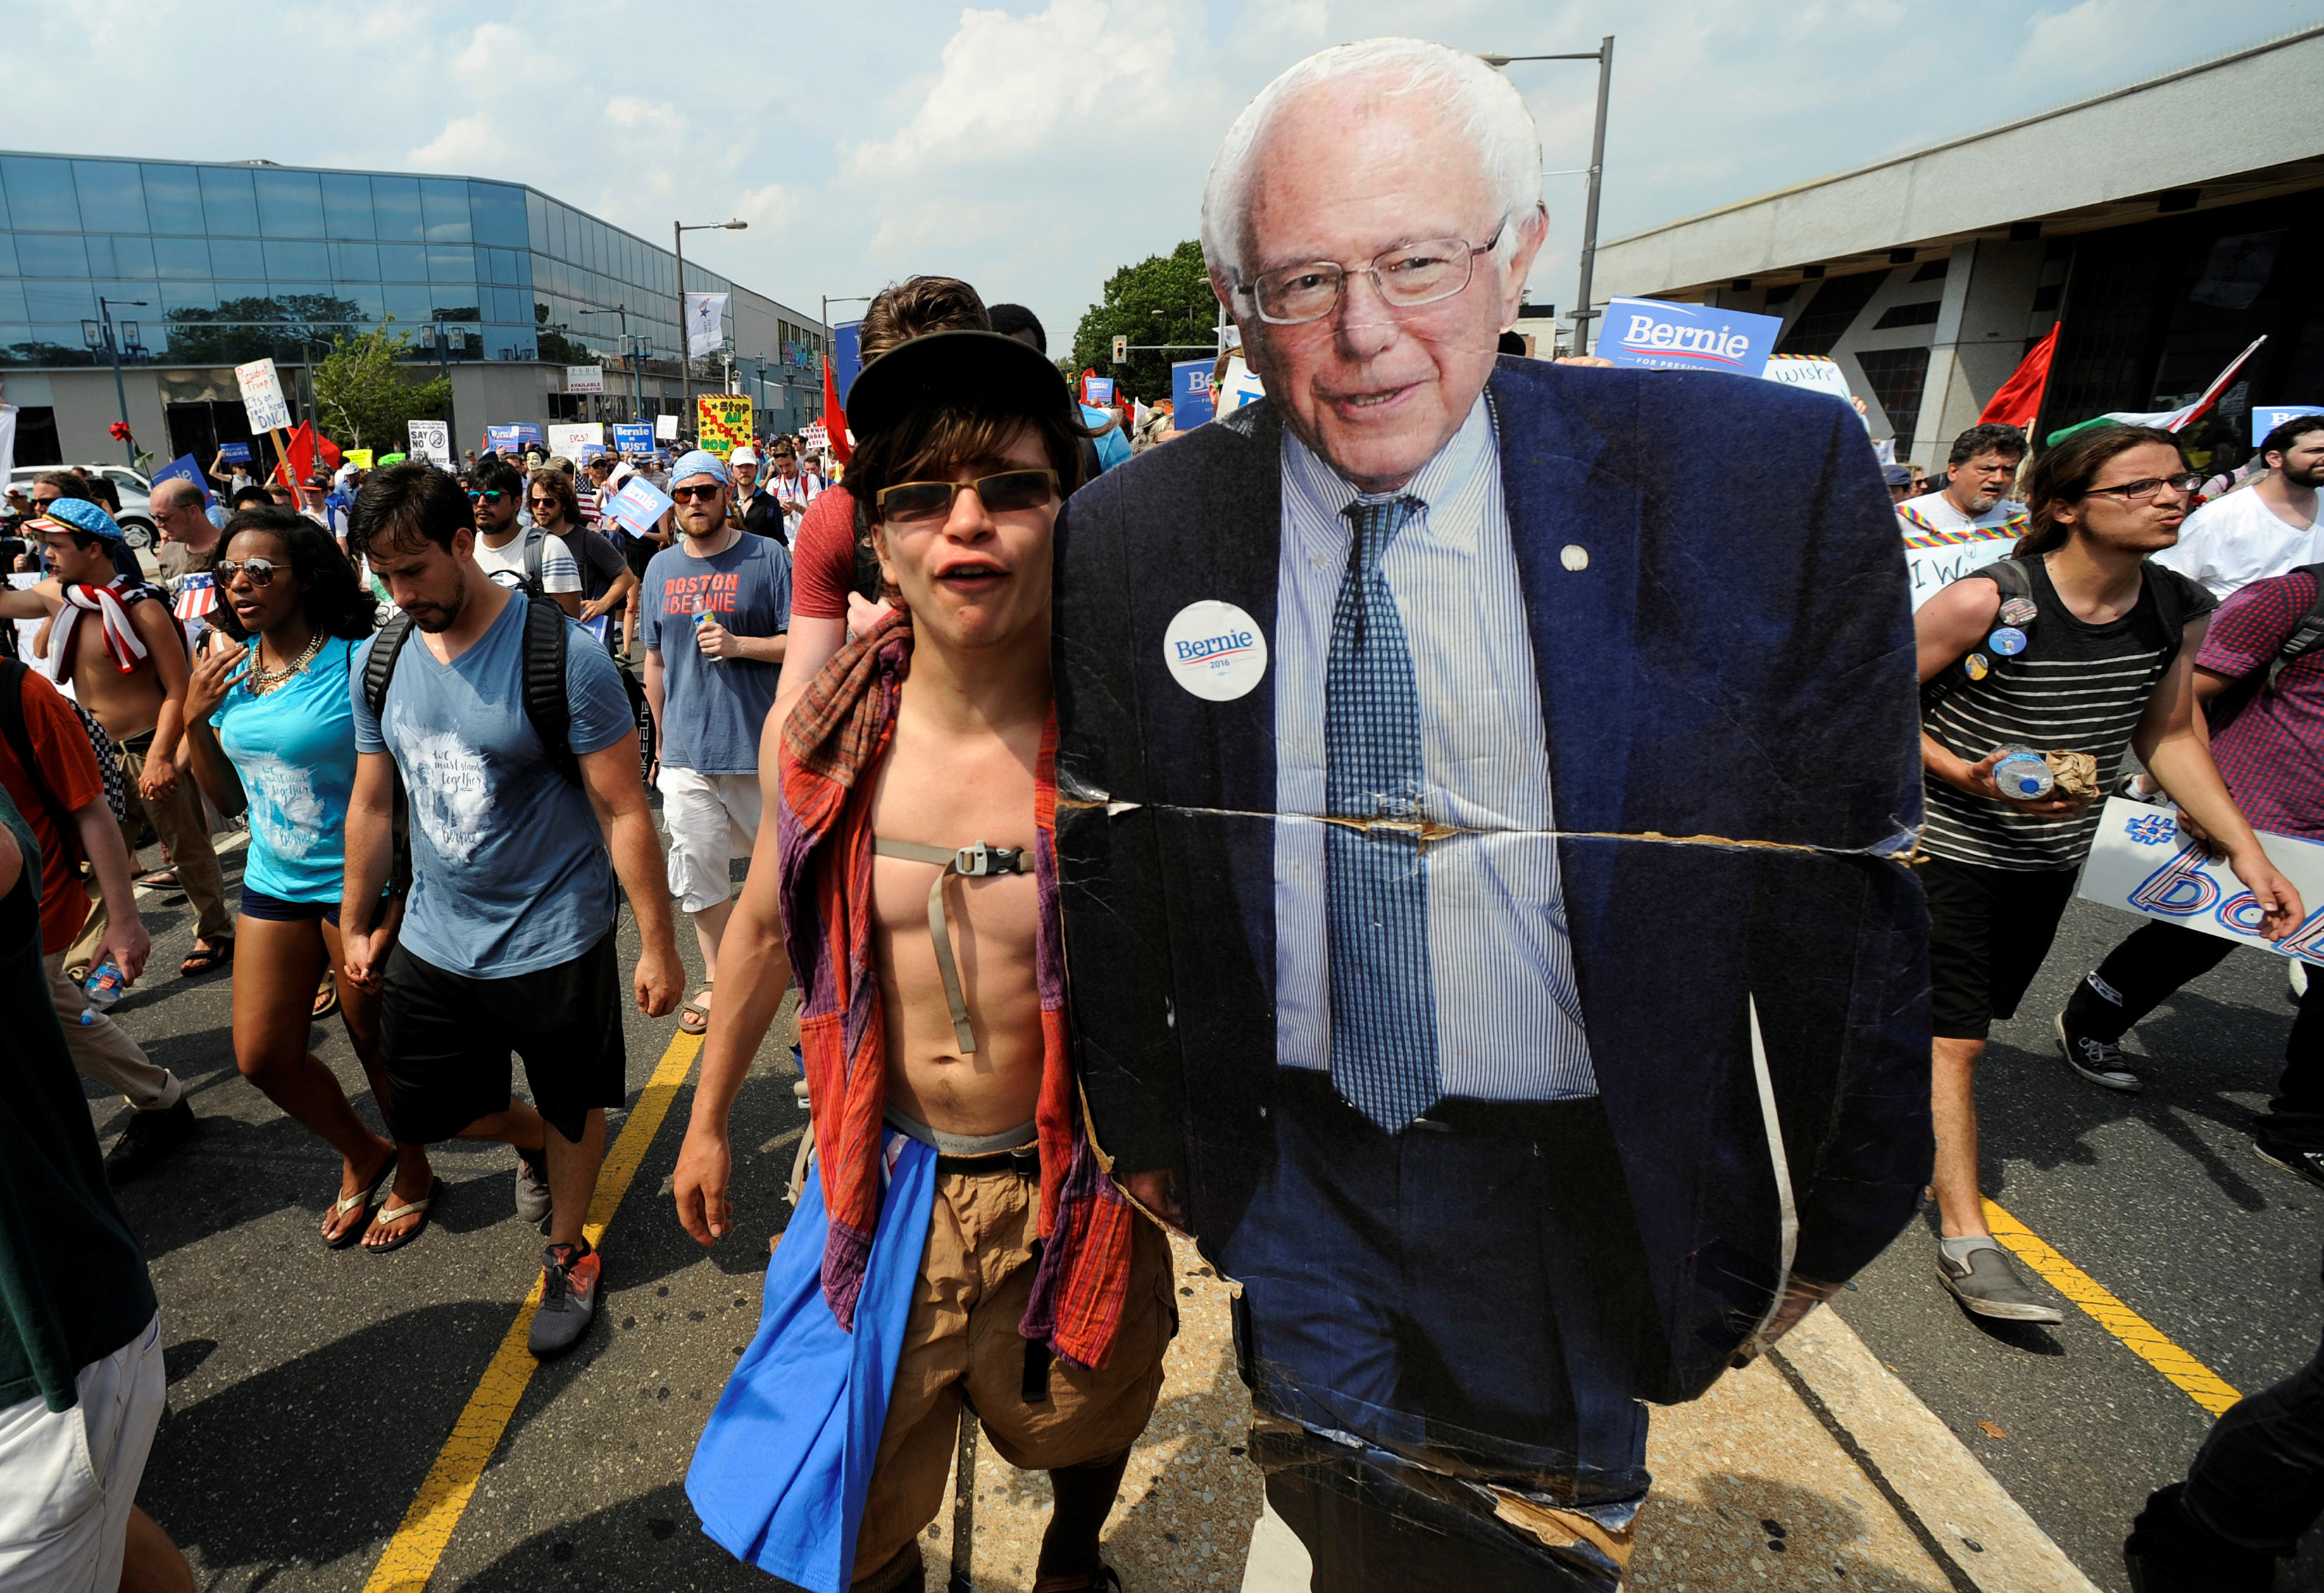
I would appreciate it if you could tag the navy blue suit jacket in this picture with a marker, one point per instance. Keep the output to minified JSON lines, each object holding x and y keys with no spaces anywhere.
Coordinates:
{"x":1728,"y":701}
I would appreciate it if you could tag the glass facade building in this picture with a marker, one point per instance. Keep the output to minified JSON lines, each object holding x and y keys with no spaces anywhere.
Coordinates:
{"x":213,"y":264}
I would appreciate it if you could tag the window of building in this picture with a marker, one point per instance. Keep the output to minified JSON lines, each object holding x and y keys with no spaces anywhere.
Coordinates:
{"x":1896,"y":377}
{"x":395,"y":212}
{"x":497,"y":215}
{"x":289,"y":204}
{"x":40,"y":195}
{"x":1924,"y":314}
{"x":237,"y":257}
{"x":229,"y":203}
{"x":36,"y":436}
{"x":297,"y":259}
{"x":173,"y":199}
{"x":1838,"y":301}
{"x":347,"y":207}
{"x":443,"y":205}
{"x":112,"y":198}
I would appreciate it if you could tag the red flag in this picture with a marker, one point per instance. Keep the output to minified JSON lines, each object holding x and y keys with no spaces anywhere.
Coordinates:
{"x":835,"y":419}
{"x":2020,"y":398}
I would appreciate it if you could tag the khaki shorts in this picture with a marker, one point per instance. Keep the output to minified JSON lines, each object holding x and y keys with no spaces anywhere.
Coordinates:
{"x":962,"y":1339}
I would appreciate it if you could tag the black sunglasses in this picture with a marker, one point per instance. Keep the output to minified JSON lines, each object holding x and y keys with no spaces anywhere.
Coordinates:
{"x":689,"y":495}
{"x":911,"y":502}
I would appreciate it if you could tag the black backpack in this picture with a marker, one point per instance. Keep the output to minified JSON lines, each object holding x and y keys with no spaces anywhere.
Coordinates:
{"x":2239,"y":694}
{"x":545,"y":704}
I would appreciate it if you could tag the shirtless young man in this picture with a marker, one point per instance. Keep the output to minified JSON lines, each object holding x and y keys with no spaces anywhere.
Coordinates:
{"x":136,"y":692}
{"x":926,"y":744}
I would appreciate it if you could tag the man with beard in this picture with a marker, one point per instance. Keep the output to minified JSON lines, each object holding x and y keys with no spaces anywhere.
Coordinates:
{"x":2263,"y":530}
{"x":517,"y":791}
{"x":1976,"y":494}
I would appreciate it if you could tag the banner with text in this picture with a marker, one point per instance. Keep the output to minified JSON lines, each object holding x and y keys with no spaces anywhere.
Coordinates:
{"x":1656,"y":336}
{"x":2266,"y":418}
{"x":430,"y":440}
{"x":724,"y":421}
{"x":1190,"y":393}
{"x":2140,"y":864}
{"x":585,"y":378}
{"x":639,"y":505}
{"x":182,"y":468}
{"x":262,"y":396}
{"x":665,"y":429}
{"x":570,"y":439}
{"x":633,"y":437}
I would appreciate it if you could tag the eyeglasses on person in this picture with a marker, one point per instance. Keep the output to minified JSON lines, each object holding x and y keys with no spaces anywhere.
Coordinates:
{"x":546,"y":500}
{"x":1406,"y":276}
{"x":261,"y":571}
{"x":704,"y":493}
{"x":491,"y":495}
{"x":2144,"y":490}
{"x":914,"y":503}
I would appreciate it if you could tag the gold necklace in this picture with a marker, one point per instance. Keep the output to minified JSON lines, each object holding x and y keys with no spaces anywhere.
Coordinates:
{"x":262,"y":681}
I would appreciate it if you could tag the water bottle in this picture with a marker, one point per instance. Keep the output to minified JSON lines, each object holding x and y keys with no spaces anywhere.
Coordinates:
{"x":101,"y":990}
{"x":2024,"y":774}
{"x":702,"y":616}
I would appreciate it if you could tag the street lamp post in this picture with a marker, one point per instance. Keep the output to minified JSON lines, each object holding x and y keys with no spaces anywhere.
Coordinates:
{"x":678,"y":231}
{"x":99,"y":334}
{"x":1604,"y":56}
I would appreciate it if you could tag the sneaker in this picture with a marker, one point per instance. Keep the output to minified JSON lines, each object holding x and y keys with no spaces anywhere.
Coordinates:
{"x":2306,"y":1163}
{"x":531,"y":1188}
{"x":2098,"y":1060}
{"x":1988,"y":1286}
{"x":150,"y":1136}
{"x":568,"y":1299}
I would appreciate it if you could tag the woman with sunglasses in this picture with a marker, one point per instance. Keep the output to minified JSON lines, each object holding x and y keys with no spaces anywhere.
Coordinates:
{"x":270,"y":727}
{"x":606,"y":580}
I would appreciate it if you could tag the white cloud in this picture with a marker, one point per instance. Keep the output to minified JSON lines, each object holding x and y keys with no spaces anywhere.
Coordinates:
{"x":467,"y":144}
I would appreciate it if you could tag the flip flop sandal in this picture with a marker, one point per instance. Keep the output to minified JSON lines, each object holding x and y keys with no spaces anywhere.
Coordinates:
{"x":326,"y":996}
{"x":161,"y":879}
{"x":694,"y":1018}
{"x":199,"y":961}
{"x":352,"y":1233}
{"x":398,"y":1213}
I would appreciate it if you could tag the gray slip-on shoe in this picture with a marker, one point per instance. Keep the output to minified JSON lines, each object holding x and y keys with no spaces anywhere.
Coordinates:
{"x":1988,"y":1286}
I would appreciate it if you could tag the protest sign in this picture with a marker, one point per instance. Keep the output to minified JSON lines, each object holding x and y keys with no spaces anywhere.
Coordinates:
{"x":585,"y":378}
{"x":514,"y":437}
{"x":724,"y":421}
{"x":430,"y":440}
{"x":633,"y":437}
{"x":817,"y":437}
{"x":359,"y":457}
{"x":639,"y":505}
{"x":262,"y":396}
{"x":846,"y":356}
{"x":1656,"y":336}
{"x":665,"y":429}
{"x":570,"y":439}
{"x":1097,"y":390}
{"x":1190,"y":393}
{"x":2266,"y":418}
{"x":1808,"y":371}
{"x":1935,"y":564}
{"x":2140,"y":864}
{"x":182,"y":468}
{"x":1239,"y":386}
{"x":234,"y":453}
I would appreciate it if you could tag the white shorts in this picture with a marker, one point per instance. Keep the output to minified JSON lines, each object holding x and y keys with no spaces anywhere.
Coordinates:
{"x":68,"y":1477}
{"x":712,"y":819}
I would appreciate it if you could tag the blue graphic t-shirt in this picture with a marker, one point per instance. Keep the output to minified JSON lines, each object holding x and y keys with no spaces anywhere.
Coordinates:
{"x":295,"y":751}
{"x":713,"y":709}
{"x":510,"y":872}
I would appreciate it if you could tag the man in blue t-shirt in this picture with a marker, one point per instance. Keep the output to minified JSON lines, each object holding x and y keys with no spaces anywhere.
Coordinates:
{"x":716,"y":606}
{"x":508,"y":942}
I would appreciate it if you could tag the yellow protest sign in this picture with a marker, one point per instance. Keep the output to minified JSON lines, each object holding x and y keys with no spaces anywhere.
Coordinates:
{"x":359,"y":457}
{"x":725,"y":421}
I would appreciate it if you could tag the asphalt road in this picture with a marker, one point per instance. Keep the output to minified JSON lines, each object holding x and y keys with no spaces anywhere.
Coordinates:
{"x":311,"y":1392}
{"x":2159,"y":1199}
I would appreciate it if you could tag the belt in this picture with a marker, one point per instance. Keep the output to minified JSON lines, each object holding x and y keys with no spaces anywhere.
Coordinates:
{"x":1452,"y":1114}
{"x":1025,"y":1161}
{"x":142,"y":741}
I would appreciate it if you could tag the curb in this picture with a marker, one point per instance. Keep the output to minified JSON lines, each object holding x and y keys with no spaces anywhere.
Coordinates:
{"x":1982,"y":1538}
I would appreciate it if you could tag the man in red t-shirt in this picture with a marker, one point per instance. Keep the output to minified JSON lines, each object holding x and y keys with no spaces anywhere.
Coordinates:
{"x":65,"y":779}
{"x":2271,"y":753}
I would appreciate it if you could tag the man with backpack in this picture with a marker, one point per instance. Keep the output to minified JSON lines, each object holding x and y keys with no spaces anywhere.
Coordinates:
{"x":49,"y":767}
{"x":510,"y":732}
{"x":2079,"y":643}
{"x":518,"y":556}
{"x":2260,"y":680}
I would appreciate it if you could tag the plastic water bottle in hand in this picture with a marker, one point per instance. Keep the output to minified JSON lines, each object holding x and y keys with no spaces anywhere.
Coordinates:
{"x":702,"y":616}
{"x":2022,"y":773}
{"x":100,"y":991}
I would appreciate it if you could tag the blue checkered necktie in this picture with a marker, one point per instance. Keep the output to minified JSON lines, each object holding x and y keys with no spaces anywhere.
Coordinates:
{"x":1383,"y":1000}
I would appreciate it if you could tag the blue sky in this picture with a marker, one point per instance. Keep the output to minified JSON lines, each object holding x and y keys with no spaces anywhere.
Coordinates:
{"x":1032,"y":148}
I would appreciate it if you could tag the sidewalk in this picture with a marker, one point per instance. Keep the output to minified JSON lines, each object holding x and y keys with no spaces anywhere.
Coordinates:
{"x":1814,"y":1468}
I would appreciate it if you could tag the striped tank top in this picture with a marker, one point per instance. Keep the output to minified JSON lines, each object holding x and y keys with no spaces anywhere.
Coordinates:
{"x":2077,"y":687}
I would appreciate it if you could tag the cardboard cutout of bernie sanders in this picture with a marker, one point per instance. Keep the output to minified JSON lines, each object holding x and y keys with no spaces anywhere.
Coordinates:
{"x":1483,"y":834}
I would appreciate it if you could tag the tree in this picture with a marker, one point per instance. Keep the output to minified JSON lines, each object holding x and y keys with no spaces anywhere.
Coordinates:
{"x":259,"y":328}
{"x":367,"y":397}
{"x":1163,"y":298}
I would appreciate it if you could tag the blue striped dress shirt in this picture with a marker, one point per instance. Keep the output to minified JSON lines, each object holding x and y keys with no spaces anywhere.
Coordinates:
{"x":1509,"y":1019}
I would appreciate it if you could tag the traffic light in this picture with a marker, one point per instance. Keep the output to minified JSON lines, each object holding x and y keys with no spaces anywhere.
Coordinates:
{"x":1120,"y":349}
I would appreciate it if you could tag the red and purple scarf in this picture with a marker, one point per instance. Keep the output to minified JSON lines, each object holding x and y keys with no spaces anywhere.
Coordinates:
{"x":832,"y":746}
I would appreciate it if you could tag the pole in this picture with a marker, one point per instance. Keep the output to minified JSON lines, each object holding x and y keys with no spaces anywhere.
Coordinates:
{"x":1582,"y":312}
{"x":684,"y":338}
{"x":444,"y":366}
{"x":120,"y":392}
